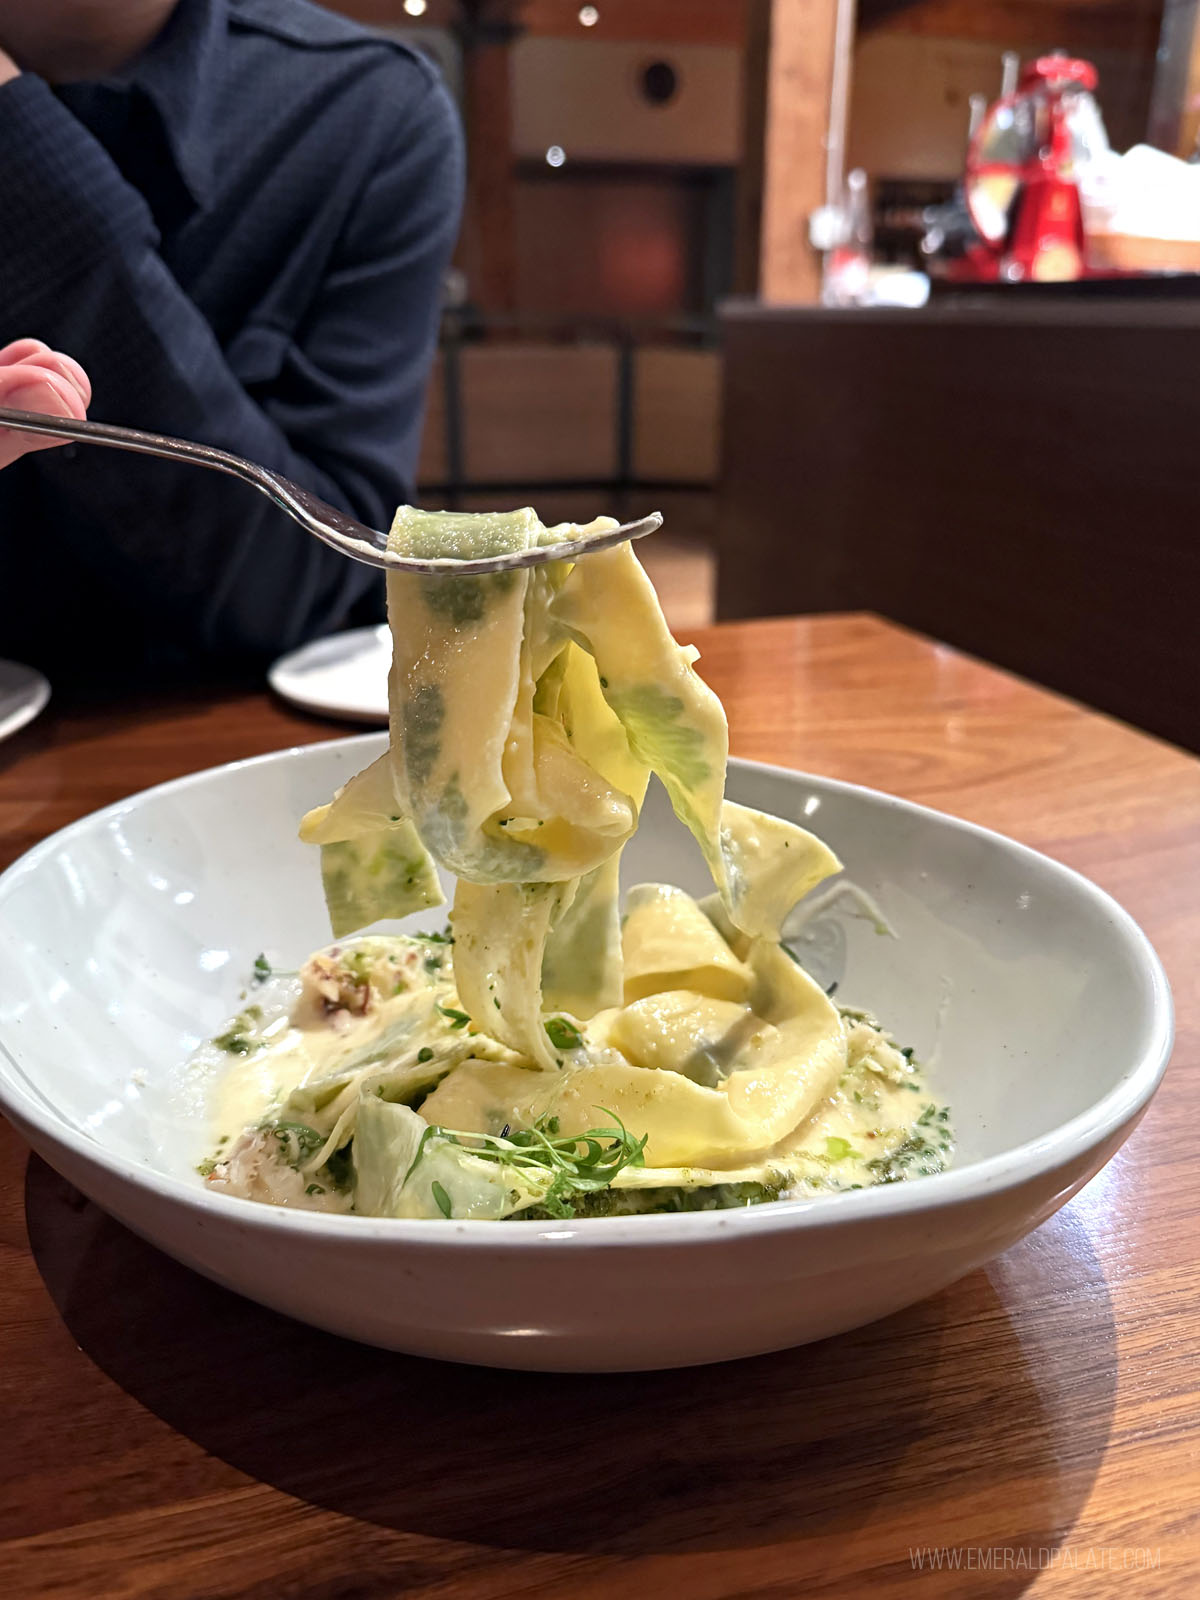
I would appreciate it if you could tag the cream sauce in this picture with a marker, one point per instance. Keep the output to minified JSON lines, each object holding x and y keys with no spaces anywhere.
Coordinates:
{"x":306,"y":1065}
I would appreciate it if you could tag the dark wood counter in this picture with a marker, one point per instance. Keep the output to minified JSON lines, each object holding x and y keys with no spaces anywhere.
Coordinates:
{"x":1018,"y":477}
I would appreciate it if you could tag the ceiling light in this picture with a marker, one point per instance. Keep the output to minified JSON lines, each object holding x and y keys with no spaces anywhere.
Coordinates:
{"x":555,"y":156}
{"x":589,"y":16}
{"x":415,"y":8}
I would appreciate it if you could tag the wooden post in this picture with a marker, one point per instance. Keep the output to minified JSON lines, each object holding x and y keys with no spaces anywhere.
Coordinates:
{"x":801,"y":79}
{"x":747,"y":253}
{"x":488,"y":250}
{"x":1175,"y":99}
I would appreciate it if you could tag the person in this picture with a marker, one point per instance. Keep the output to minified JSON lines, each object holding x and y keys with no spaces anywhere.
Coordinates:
{"x":236,"y":215}
{"x":35,"y":378}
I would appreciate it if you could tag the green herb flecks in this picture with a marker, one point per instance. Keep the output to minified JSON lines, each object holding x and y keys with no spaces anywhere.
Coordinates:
{"x":563,"y":1035}
{"x":925,"y":1151}
{"x":456,"y":1018}
{"x":297,"y":1141}
{"x":239,"y":1038}
{"x":422,"y":719}
{"x":668,"y":1198}
{"x":237,"y":1044}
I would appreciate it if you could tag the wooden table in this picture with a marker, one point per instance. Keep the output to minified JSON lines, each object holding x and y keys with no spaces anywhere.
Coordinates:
{"x":164,"y":1438}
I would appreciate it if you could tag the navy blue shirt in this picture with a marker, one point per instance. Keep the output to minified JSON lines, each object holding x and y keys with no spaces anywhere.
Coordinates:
{"x":242,"y":237}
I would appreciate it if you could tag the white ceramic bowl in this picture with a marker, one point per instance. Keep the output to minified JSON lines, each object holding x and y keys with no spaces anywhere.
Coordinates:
{"x":1040,"y":1006}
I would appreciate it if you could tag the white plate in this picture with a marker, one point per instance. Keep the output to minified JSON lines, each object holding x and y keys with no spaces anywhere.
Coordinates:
{"x":23,"y":693}
{"x":1038,"y":1004}
{"x":342,"y":676}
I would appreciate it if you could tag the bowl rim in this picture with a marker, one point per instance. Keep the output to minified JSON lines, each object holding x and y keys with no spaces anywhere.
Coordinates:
{"x":1034,"y":1158}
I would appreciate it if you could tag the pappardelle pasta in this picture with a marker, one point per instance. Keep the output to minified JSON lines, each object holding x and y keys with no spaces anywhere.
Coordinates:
{"x":550,"y":1054}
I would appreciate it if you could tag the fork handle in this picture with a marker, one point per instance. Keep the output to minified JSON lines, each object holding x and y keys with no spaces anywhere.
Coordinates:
{"x":332,"y":526}
{"x":146,"y":444}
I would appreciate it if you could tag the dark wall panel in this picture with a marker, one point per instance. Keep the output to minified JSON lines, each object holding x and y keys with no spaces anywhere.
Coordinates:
{"x":1021,"y":480}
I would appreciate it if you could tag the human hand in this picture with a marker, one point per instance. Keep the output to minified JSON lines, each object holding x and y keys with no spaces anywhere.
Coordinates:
{"x":35,"y":378}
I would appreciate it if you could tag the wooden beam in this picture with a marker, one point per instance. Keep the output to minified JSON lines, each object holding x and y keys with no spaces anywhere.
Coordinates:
{"x":654,"y":21}
{"x":798,"y":91}
{"x":1077,"y":25}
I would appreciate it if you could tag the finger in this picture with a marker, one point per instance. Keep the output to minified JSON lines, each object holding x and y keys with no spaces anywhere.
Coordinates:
{"x":27,"y":388}
{"x":66,"y":367}
{"x":22,"y":350}
{"x":34,"y":388}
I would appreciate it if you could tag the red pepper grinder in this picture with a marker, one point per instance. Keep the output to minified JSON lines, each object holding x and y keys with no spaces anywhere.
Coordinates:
{"x":1025,"y":150}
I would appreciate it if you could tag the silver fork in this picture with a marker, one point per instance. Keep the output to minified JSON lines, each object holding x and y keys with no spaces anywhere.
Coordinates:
{"x":326,"y":522}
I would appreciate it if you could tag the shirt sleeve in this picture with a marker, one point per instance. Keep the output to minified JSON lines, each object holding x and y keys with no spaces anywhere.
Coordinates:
{"x":341,"y":413}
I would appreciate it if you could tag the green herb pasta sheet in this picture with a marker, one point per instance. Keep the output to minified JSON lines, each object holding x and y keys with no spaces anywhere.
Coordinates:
{"x":554,"y":1060}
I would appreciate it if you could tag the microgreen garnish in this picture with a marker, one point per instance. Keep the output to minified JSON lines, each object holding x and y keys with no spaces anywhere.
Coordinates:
{"x":264,"y":970}
{"x":577,"y":1164}
{"x":420,"y":1151}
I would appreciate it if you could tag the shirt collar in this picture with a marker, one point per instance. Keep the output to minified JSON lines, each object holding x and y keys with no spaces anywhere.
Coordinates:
{"x":178,"y":73}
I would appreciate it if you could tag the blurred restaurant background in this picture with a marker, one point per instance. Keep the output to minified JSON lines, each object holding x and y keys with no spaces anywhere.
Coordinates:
{"x":888,"y":306}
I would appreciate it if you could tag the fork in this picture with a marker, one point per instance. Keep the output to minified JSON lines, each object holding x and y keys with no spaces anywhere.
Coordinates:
{"x":335,"y":528}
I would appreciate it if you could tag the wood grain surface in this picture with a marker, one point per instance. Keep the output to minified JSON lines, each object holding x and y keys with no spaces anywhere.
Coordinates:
{"x":164,"y":1438}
